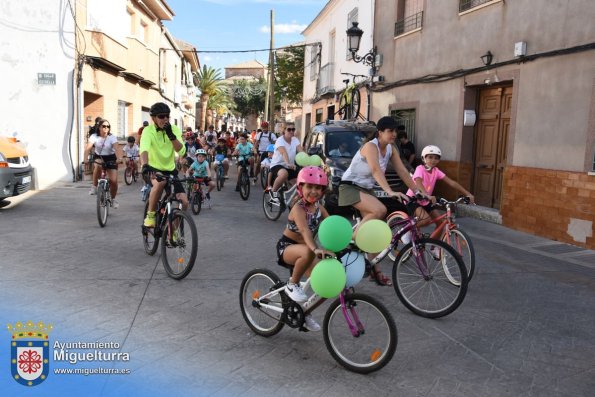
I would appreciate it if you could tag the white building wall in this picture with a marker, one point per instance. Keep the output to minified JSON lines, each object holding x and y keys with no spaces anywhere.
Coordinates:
{"x":334,"y":17}
{"x":38,"y":37}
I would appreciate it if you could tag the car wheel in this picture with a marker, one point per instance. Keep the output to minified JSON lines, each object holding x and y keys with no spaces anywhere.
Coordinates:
{"x":4,"y":203}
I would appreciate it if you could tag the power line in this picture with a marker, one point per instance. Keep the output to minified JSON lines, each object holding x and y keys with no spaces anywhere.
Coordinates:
{"x":243,"y":51}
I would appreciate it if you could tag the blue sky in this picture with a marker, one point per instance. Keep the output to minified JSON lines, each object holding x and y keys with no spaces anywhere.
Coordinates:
{"x":239,"y":25}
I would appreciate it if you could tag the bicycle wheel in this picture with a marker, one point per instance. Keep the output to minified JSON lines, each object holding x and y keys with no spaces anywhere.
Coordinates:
{"x":262,"y":320}
{"x":179,"y":247}
{"x":102,"y":203}
{"x":128,"y":176}
{"x":264,"y":174}
{"x":272,"y":208}
{"x":461,"y":242}
{"x":355,"y":103}
{"x":219,"y":176}
{"x":196,"y":202}
{"x":343,"y":107}
{"x":150,"y":239}
{"x":376,"y":340}
{"x":430,"y":292}
{"x":244,"y":184}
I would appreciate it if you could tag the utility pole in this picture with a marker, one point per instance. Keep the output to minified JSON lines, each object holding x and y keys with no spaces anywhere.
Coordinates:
{"x":271,"y":90}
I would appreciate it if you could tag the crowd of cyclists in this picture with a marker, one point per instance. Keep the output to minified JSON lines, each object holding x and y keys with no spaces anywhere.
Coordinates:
{"x":164,"y":148}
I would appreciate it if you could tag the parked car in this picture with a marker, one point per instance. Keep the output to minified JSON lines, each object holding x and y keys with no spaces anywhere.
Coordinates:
{"x":337,"y":141}
{"x":15,"y":170}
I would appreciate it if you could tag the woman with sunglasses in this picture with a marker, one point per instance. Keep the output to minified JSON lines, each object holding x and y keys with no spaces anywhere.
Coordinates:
{"x":106,"y":151}
{"x":283,"y":163}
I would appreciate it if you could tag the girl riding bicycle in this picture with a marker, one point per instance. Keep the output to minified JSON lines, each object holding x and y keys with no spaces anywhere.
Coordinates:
{"x":425,"y":177}
{"x":296,"y":248}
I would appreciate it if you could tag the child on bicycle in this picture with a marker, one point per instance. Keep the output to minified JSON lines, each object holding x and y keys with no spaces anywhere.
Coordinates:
{"x":244,"y":151}
{"x":131,"y":151}
{"x":221,"y":152}
{"x":297,"y":248}
{"x":425,"y":177}
{"x":200,"y":169}
{"x":266,"y":163}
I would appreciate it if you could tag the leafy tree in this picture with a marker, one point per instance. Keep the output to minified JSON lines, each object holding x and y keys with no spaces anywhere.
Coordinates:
{"x":249,"y":96}
{"x":289,"y":74}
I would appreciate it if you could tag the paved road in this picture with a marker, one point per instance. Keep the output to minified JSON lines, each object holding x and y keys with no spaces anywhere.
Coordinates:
{"x":525,"y":328}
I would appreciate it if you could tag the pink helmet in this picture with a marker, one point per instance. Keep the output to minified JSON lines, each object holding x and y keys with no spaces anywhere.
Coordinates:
{"x":313,"y":175}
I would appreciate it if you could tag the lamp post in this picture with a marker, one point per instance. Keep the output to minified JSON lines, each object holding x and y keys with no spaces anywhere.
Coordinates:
{"x":354,"y":36}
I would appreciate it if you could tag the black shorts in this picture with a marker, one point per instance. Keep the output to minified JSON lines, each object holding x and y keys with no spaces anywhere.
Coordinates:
{"x":109,"y":160}
{"x":428,"y":207}
{"x":178,"y":187}
{"x":283,"y":243}
{"x":292,"y":173}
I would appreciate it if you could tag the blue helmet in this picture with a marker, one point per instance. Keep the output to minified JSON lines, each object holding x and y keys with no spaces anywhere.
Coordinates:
{"x":271,"y":148}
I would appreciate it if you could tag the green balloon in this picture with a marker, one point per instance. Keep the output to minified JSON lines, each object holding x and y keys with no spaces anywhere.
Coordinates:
{"x":373,"y":236}
{"x":328,"y":278}
{"x":302,"y":159}
{"x":315,"y":160}
{"x":334,"y":233}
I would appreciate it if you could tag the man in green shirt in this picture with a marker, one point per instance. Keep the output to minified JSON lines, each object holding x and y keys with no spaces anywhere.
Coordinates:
{"x":157,"y":152}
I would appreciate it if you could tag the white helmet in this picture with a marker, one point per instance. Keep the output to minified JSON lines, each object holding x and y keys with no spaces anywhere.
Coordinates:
{"x":431,"y":149}
{"x":201,"y":151}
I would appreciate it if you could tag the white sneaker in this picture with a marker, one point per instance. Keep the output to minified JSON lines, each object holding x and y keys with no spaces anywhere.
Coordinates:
{"x":295,"y":292}
{"x":311,"y":324}
{"x":275,"y":198}
{"x":93,"y":191}
{"x":115,"y":204}
{"x":406,"y":239}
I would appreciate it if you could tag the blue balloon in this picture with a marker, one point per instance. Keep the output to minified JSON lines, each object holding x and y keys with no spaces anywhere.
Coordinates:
{"x":355,"y":265}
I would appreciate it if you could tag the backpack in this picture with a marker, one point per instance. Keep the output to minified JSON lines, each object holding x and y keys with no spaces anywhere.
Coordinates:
{"x":258,"y":140}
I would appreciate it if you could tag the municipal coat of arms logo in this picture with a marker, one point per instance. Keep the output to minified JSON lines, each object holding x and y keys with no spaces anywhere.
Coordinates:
{"x":29,"y":352}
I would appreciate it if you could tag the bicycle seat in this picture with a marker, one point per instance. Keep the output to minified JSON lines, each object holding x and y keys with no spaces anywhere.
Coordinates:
{"x":346,"y":81}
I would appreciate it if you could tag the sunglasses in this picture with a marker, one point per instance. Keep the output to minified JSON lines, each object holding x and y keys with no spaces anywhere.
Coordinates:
{"x":162,"y":116}
{"x":106,"y":126}
{"x":291,"y":129}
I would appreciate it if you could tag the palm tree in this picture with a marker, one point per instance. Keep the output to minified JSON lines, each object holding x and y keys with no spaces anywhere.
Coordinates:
{"x":221,"y":101}
{"x":208,"y":82}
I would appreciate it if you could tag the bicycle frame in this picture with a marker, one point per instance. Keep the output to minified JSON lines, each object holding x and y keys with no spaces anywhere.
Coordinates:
{"x":355,"y":327}
{"x":404,"y":226}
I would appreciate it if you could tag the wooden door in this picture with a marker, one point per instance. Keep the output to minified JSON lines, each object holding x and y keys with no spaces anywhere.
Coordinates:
{"x":491,"y":144}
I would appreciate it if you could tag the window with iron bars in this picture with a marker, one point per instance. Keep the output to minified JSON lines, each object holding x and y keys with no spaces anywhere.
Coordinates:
{"x":465,"y":5}
{"x":405,"y":117}
{"x":409,"y":23}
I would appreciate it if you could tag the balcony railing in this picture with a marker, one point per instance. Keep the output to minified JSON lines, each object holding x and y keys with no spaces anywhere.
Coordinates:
{"x":325,"y":81}
{"x":409,"y":23}
{"x":465,"y":5}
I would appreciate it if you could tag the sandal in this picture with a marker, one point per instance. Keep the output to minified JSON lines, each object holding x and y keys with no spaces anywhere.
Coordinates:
{"x":380,"y":278}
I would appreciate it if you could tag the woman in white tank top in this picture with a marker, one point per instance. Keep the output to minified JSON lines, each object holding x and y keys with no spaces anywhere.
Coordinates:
{"x":367,"y":168}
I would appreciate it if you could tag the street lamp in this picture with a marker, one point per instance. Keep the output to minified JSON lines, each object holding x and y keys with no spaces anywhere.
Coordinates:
{"x":354,"y":36}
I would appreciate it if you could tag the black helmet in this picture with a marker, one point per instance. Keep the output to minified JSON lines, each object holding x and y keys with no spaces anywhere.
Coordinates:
{"x":159,"y":108}
{"x":386,"y":123}
{"x":131,"y":139}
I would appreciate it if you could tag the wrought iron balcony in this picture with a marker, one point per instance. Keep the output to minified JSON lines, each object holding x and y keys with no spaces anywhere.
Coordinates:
{"x":409,"y":23}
